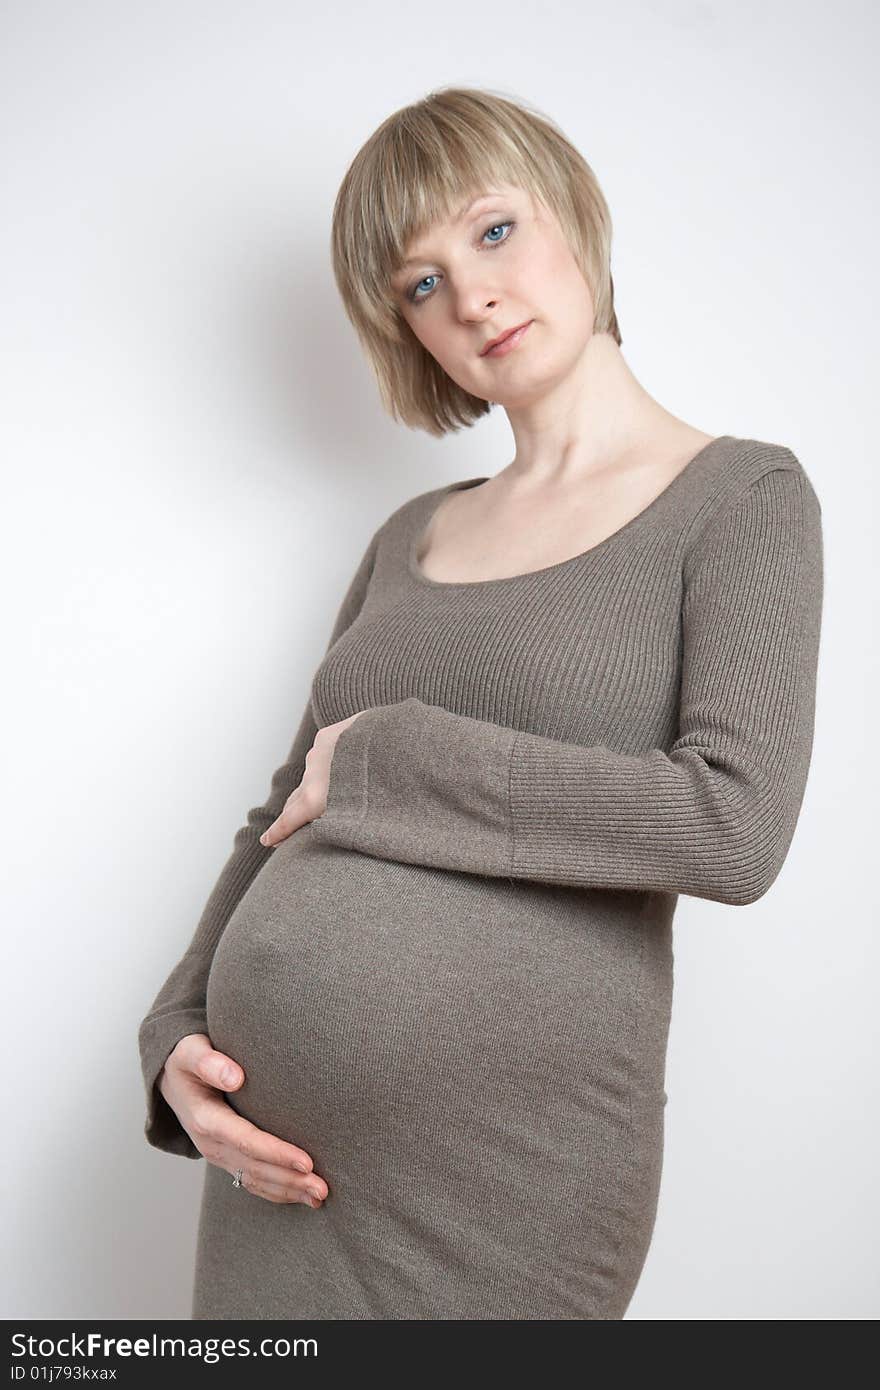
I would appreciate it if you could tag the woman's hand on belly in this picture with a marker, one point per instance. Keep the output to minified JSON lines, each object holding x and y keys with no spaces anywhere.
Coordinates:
{"x":193,"y":1074}
{"x":309,"y":800}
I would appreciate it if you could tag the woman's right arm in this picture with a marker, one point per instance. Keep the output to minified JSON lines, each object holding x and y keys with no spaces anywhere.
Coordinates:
{"x":180,"y":1006}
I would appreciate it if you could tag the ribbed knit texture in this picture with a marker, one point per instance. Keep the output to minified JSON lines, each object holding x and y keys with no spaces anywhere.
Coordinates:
{"x":453,"y":988}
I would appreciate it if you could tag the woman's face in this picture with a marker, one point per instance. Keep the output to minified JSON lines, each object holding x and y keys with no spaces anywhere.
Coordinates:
{"x":503,"y":262}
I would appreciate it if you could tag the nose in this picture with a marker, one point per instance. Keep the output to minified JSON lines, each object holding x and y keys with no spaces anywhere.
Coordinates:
{"x":475,"y":304}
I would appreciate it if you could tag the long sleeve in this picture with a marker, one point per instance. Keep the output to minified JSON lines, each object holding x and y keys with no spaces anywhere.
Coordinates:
{"x":713,"y":817}
{"x":179,"y":1008}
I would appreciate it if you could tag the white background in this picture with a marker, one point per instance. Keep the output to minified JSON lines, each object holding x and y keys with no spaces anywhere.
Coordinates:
{"x":194,"y":457}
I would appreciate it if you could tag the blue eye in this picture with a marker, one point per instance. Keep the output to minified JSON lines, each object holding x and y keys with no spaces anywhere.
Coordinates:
{"x":417,"y":299}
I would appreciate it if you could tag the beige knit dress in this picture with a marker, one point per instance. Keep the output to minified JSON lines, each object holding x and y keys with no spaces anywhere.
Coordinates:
{"x":453,"y":989}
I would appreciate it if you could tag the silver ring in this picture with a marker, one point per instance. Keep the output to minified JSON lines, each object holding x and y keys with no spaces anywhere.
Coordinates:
{"x":236,"y":1181}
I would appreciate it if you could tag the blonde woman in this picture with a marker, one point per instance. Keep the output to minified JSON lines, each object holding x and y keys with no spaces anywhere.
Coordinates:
{"x":420,"y":1032}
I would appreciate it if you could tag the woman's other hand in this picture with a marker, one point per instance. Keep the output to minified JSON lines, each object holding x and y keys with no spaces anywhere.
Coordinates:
{"x":193,"y":1074}
{"x":309,"y":800}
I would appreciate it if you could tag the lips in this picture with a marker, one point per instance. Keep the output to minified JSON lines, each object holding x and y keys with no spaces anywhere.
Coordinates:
{"x":504,"y":339}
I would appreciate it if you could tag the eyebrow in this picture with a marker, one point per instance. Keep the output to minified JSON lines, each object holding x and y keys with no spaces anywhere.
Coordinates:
{"x":458,"y":216}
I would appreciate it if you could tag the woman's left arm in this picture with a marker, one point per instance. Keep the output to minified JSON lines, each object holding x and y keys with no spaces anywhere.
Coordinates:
{"x":714,"y":817}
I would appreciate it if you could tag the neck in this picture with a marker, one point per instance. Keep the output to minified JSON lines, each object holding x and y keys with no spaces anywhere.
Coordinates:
{"x":596,"y":417}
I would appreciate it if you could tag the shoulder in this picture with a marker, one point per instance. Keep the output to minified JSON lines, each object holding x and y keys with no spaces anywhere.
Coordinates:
{"x":423,"y":504}
{"x":393,"y":534}
{"x":776,"y":471}
{"x":766,"y":458}
{"x":401,"y":514}
{"x":756,"y":483}
{"x":749,"y":461}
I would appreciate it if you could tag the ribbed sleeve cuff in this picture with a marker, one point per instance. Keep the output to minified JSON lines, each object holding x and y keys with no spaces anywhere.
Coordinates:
{"x":411,"y":782}
{"x":179,"y":1009}
{"x":157,"y":1039}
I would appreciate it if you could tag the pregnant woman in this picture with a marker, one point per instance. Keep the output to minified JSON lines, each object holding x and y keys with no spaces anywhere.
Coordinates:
{"x":438,"y":962}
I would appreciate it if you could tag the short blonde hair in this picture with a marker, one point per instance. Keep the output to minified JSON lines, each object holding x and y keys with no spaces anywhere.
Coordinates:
{"x":417,"y":168}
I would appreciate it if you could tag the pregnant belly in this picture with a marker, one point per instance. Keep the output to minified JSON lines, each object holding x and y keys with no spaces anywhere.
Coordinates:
{"x":407,"y":1020}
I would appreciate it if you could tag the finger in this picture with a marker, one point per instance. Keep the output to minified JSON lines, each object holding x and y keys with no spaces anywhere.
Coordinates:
{"x":252,"y":1143}
{"x":219,"y":1070}
{"x":292,"y":817}
{"x":259,"y":1186}
{"x":281,"y":1181}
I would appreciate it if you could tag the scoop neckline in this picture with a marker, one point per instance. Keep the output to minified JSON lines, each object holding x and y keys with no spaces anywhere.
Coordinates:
{"x":423,"y":520}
